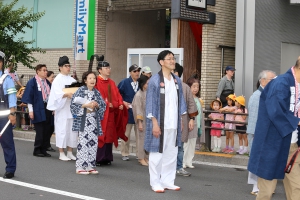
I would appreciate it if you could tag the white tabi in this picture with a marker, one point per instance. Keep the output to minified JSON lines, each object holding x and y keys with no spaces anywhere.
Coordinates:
{"x":63,"y":119}
{"x":162,"y":166}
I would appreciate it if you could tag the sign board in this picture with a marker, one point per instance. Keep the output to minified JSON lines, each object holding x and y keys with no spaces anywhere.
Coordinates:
{"x":84,"y":29}
{"x":191,"y":10}
{"x":196,"y":4}
{"x":294,"y":1}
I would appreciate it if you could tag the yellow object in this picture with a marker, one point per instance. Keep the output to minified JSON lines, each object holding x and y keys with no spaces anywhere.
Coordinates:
{"x":70,"y":90}
{"x":21,"y":91}
{"x":202,"y":102}
{"x":241,"y":100}
{"x":231,"y":96}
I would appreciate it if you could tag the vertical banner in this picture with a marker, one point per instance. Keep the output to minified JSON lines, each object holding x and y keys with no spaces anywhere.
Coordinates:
{"x":84,"y":29}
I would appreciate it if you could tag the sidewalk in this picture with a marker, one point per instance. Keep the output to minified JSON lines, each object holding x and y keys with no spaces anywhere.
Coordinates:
{"x":210,"y":157}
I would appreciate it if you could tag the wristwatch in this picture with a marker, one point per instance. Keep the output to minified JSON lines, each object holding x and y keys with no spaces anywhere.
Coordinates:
{"x":193,"y":118}
{"x":13,"y":114}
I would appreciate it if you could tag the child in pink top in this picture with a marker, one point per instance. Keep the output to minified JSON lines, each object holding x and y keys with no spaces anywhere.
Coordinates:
{"x":229,"y":134}
{"x":240,"y":104}
{"x":216,"y":105}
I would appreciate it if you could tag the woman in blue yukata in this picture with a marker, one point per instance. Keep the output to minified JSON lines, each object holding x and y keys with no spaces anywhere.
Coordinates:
{"x":87,"y":108}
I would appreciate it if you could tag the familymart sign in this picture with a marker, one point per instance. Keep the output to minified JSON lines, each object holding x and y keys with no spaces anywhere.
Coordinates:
{"x":84,"y":29}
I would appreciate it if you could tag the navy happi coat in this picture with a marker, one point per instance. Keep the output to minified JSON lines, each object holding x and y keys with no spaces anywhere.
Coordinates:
{"x":273,"y":133}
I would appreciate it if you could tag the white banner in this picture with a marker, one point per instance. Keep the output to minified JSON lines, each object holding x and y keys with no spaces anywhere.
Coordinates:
{"x":81,"y":29}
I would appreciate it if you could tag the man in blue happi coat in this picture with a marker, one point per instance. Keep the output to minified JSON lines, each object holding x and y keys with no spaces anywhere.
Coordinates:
{"x":8,"y":103}
{"x":36,"y":96}
{"x":164,"y":106}
{"x":276,"y":136}
{"x":127,"y":88}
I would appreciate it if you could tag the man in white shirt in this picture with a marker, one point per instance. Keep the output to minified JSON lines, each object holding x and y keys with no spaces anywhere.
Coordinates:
{"x":60,"y":103}
{"x":164,"y":106}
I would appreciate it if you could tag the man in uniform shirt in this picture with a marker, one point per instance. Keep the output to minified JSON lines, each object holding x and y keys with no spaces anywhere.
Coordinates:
{"x":7,"y":109}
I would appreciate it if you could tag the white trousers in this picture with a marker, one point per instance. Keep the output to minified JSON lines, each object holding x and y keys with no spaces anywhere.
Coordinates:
{"x":189,"y":151}
{"x":162,"y":166}
{"x":64,"y":134}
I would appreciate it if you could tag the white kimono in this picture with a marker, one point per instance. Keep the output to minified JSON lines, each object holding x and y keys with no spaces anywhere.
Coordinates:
{"x":63,"y":118}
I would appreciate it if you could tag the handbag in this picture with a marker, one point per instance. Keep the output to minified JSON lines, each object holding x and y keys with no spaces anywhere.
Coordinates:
{"x":225,"y":94}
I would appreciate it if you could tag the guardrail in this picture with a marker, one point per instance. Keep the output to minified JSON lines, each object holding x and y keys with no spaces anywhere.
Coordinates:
{"x":207,"y":122}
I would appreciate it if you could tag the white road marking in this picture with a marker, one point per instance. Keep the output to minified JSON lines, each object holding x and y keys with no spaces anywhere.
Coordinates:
{"x":46,"y":189}
{"x":220,"y":165}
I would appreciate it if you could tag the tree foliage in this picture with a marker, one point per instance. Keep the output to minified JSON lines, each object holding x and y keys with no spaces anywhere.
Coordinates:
{"x":13,"y":22}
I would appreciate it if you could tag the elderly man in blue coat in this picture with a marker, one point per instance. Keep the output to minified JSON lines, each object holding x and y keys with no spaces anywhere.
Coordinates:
{"x":127,"y":88}
{"x":276,"y":136}
{"x":36,"y":97}
{"x":164,"y":107}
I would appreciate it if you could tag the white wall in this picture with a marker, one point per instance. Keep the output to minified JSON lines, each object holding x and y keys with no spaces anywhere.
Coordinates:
{"x":289,"y":53}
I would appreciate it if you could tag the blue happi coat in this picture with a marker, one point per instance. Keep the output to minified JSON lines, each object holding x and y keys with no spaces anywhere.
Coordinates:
{"x":153,"y":107}
{"x":127,"y":93}
{"x":274,"y":128}
{"x":33,"y":95}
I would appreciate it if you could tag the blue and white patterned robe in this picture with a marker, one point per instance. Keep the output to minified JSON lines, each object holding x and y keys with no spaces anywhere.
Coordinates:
{"x":77,"y":110}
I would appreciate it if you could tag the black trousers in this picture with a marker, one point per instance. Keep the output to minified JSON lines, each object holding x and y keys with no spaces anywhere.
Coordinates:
{"x":8,"y":146}
{"x":43,"y":131}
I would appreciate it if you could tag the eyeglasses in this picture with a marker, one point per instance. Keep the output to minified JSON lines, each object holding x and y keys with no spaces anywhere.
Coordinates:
{"x":107,"y":67}
{"x":67,"y":66}
{"x":169,"y":59}
{"x":138,"y":70}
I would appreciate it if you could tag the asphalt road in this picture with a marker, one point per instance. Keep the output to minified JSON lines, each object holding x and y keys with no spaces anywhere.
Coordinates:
{"x":121,"y":181}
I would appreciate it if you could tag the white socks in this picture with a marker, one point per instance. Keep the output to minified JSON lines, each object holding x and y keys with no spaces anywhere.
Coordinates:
{"x":217,"y":142}
{"x":70,"y":155}
{"x":255,"y":188}
{"x":63,"y":157}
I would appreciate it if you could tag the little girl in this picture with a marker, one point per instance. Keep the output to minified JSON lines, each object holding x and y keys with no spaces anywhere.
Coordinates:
{"x":189,"y":146}
{"x":229,"y":134}
{"x":216,"y":105}
{"x":240,"y":108}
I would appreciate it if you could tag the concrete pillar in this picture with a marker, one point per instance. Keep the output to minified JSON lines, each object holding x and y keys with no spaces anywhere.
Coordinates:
{"x":174,"y":33}
{"x":244,"y":53}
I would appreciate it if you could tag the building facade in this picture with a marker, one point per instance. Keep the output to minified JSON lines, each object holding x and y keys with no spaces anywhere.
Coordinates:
{"x":266,"y":39}
{"x":122,"y":24}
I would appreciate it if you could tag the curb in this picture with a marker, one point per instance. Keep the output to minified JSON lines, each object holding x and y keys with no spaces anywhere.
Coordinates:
{"x":208,"y":157}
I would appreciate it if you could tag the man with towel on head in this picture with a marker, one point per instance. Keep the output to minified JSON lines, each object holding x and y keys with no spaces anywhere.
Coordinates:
{"x":59,"y":101}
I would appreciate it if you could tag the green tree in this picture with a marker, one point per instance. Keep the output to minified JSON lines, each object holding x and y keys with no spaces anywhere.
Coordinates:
{"x":12,"y":22}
